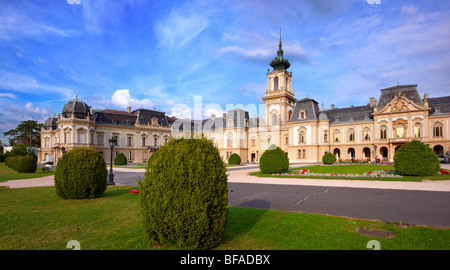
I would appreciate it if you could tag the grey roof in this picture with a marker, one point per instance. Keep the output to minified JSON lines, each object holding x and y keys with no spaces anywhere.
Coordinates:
{"x":440,"y":105}
{"x":115,"y":117}
{"x":76,"y":107}
{"x":238,"y":117}
{"x":350,"y":114}
{"x":145,"y":117}
{"x":50,"y":123}
{"x":309,"y":105}
{"x":410,"y":92}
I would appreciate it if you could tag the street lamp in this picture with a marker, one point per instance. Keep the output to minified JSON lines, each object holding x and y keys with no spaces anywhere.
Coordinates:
{"x":112,"y":143}
{"x":63,"y":150}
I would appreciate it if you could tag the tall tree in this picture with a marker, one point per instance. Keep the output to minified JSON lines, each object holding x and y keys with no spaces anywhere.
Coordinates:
{"x":27,"y":132}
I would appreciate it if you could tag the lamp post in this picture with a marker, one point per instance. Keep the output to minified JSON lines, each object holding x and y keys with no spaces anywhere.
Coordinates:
{"x":112,"y":143}
{"x":63,"y":150}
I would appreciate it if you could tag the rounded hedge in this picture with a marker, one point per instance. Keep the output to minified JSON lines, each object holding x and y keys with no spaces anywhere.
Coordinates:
{"x":26,"y":164}
{"x":120,"y":159}
{"x":234,"y":159}
{"x":274,"y":160}
{"x":328,"y":158}
{"x":416,"y":159}
{"x":184,"y":195}
{"x":80,"y":173}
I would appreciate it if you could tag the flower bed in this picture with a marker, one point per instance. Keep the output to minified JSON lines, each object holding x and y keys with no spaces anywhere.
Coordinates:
{"x":381,"y":173}
{"x":442,"y":171}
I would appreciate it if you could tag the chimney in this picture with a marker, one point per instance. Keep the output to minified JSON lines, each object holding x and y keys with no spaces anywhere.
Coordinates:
{"x":332,"y":106}
{"x":371,"y":102}
{"x":129,"y":109}
{"x":213,"y":117}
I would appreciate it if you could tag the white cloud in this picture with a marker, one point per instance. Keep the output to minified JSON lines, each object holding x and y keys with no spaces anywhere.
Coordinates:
{"x":123,"y":99}
{"x":8,"y":95}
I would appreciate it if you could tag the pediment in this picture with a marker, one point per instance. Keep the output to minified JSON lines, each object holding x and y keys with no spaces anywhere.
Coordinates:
{"x":400,"y":103}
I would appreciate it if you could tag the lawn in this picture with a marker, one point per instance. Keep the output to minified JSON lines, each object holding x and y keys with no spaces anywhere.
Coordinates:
{"x":353,"y":169}
{"x":7,"y":173}
{"x":36,"y":219}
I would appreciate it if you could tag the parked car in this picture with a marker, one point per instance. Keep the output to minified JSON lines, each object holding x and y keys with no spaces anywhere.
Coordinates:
{"x":442,"y":159}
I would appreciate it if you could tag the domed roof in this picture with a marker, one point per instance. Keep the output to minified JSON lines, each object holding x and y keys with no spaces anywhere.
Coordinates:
{"x":50,"y":123}
{"x":77,"y":107}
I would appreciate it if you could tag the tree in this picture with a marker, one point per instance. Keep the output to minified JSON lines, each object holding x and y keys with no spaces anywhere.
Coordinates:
{"x":27,"y":132}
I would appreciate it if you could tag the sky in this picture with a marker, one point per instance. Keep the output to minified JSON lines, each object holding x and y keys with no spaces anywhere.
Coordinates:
{"x":173,"y":55}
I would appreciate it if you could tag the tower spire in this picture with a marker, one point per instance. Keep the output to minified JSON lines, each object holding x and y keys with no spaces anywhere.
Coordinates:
{"x":279,"y":62}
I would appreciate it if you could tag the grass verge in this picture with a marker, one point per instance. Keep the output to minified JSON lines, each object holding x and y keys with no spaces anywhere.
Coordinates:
{"x":7,"y":173}
{"x":354,"y":169}
{"x":36,"y":219}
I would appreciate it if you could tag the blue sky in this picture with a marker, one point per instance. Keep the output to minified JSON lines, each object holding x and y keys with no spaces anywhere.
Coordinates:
{"x":161,"y":54}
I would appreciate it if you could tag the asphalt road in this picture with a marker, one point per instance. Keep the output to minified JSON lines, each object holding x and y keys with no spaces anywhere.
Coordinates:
{"x":429,"y":208}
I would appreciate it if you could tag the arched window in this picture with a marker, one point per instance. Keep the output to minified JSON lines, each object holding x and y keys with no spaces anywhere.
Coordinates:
{"x":437,"y":130}
{"x":336,"y":134}
{"x":383,"y":132}
{"x":325,"y":136}
{"x":274,"y":120}
{"x":417,"y":130}
{"x":351,"y":135}
{"x":366,"y":134}
{"x":301,"y":137}
{"x":230,"y":140}
{"x":275,"y":83}
{"x":400,"y":131}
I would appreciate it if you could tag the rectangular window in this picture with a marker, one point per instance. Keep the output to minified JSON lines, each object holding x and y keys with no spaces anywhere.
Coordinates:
{"x":129,"y":141}
{"x":383,"y":134}
{"x":80,"y":137}
{"x":143,"y":141}
{"x":100,"y":140}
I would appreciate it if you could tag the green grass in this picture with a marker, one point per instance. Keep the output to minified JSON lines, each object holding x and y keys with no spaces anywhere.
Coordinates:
{"x":36,"y":219}
{"x":7,"y":173}
{"x":354,"y":169}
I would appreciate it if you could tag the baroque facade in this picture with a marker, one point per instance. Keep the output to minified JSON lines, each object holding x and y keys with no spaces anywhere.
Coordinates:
{"x":301,"y":128}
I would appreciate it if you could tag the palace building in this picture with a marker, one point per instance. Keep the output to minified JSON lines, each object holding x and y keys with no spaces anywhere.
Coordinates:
{"x":302,"y":128}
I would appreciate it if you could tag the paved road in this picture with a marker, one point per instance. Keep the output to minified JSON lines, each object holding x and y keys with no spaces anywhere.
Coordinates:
{"x":389,"y":202}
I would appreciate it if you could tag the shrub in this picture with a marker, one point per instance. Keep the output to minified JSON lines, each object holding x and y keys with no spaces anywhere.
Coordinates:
{"x":120,"y":159}
{"x":11,"y":162}
{"x":151,"y":159}
{"x":26,"y":164}
{"x":273,"y":160}
{"x":328,"y":158}
{"x":184,"y":197}
{"x":416,"y":159}
{"x":234,"y":159}
{"x":80,"y":173}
